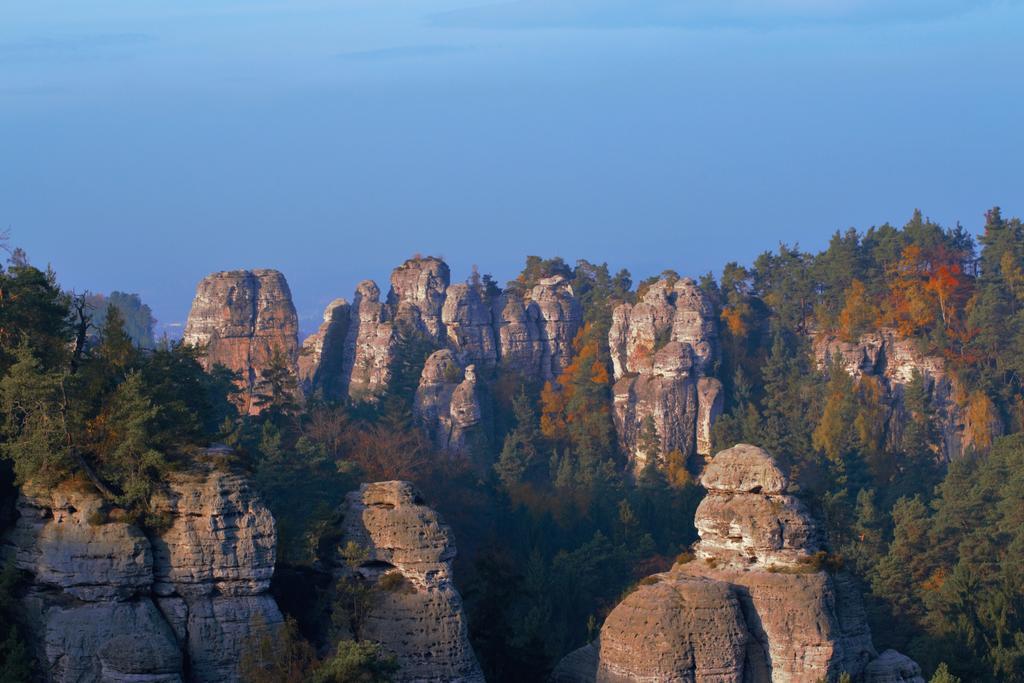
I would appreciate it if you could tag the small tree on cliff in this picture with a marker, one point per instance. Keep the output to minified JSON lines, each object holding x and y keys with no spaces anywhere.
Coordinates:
{"x":277,"y":392}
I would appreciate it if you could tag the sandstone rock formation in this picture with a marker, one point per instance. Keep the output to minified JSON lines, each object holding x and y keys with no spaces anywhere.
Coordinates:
{"x":417,"y":294}
{"x":517,"y":333}
{"x":467,"y":319}
{"x":108,"y":603}
{"x":242,"y":318}
{"x":320,"y":362}
{"x":683,"y":628}
{"x":559,"y":317}
{"x":417,"y":615}
{"x":212,"y":567}
{"x":752,"y":606}
{"x":368,"y":345}
{"x":662,"y":349}
{"x":530,"y":332}
{"x":893,"y":667}
{"x":446,"y":402}
{"x":894,"y":361}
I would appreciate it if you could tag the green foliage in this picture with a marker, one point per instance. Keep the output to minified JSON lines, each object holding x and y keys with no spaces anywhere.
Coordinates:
{"x":16,"y":665}
{"x":942,"y":675}
{"x":33,"y":311}
{"x":137,"y":316}
{"x":950,"y":574}
{"x":538,"y":268}
{"x":276,"y":654}
{"x":356,"y":662}
{"x":34,"y":429}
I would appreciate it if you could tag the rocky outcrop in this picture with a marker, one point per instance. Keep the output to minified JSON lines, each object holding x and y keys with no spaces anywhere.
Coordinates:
{"x":417,"y":295}
{"x":446,"y":403}
{"x":517,"y":333}
{"x":894,"y":361}
{"x":368,"y":345}
{"x":468,"y":322}
{"x":106,"y":602}
{"x":416,"y":611}
{"x":242,"y":318}
{"x":212,"y":567}
{"x":323,"y":353}
{"x":559,"y":317}
{"x":754,"y":604}
{"x":662,"y":350}
{"x":675,"y":628}
{"x":893,"y":667}
{"x":527,"y":331}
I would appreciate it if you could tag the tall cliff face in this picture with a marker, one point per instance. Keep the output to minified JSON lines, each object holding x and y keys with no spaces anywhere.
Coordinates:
{"x":416,"y":614}
{"x":417,"y":295}
{"x":894,"y":361}
{"x":559,"y":318}
{"x":752,"y":606}
{"x":242,"y":318}
{"x":469,"y":325}
{"x":108,"y":603}
{"x":321,"y":358}
{"x":529,"y":332}
{"x":369,"y":342}
{"x":662,"y":349}
{"x":447,"y":404}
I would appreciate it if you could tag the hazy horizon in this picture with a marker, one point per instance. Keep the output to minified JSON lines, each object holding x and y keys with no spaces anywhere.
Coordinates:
{"x":148,"y":145}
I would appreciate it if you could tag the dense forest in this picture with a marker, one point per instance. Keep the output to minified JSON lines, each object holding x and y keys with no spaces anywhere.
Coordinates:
{"x":552,"y":526}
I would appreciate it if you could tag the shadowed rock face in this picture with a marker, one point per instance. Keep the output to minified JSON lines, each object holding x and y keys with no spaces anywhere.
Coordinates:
{"x":517,"y":326}
{"x":242,"y":318}
{"x":528,"y":332}
{"x":894,"y":361}
{"x":754,"y":608}
{"x":661,"y":349}
{"x":417,"y":295}
{"x":369,"y":343}
{"x":108,"y":603}
{"x":675,"y":628}
{"x":469,"y":325}
{"x":559,"y":318}
{"x":446,"y":402}
{"x":323,"y":352}
{"x":893,"y":667}
{"x":422,"y":623}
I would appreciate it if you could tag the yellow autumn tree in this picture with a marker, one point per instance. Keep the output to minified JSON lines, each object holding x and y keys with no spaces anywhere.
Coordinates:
{"x":859,"y":313}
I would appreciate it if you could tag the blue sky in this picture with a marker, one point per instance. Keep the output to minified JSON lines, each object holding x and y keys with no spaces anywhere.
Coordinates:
{"x":145,"y":144}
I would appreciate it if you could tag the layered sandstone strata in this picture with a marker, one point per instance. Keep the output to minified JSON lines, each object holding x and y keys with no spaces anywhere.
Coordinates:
{"x":662,"y":352}
{"x":446,"y":402}
{"x":321,"y":358}
{"x":894,"y":362}
{"x":106,"y":602}
{"x":753,"y":606}
{"x":241,"y":319}
{"x":416,"y":614}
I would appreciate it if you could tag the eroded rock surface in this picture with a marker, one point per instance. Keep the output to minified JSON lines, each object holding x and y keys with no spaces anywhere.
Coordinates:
{"x":109,"y":603}
{"x":368,"y":345}
{"x":893,"y":667}
{"x":323,"y":353}
{"x":467,"y":319}
{"x":446,"y":403}
{"x":662,"y":349}
{"x":893,"y":362}
{"x":417,"y":295}
{"x":559,"y":317}
{"x":675,"y":628}
{"x":517,"y":327}
{"x":757,"y":606}
{"x":419,"y":619}
{"x":242,"y":318}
